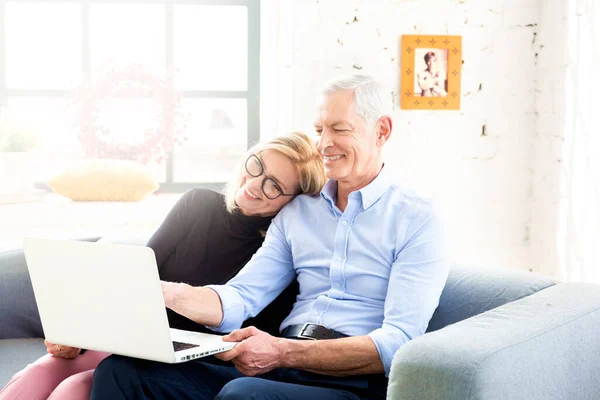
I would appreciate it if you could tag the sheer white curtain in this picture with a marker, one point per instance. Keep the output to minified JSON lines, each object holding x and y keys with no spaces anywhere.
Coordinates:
{"x":579,"y":236}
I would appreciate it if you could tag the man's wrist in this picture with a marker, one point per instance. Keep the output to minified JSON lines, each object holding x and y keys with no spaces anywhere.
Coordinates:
{"x":178,"y":296}
{"x":284,"y":348}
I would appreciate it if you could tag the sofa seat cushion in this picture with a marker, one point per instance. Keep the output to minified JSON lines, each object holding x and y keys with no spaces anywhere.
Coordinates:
{"x":15,"y":354}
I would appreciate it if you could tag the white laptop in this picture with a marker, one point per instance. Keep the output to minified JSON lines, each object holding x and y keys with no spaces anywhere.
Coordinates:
{"x":108,"y":297}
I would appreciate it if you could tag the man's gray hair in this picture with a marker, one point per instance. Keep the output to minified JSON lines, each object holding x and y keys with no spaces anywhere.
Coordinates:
{"x":371,"y":99}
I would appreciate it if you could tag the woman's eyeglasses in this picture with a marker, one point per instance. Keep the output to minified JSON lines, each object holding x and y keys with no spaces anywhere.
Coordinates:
{"x":255,"y":168}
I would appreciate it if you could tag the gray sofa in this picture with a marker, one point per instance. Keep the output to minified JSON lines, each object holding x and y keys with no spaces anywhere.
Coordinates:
{"x":497,"y":334}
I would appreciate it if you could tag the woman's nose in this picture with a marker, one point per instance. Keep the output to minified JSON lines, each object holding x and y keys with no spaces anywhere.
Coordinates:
{"x":255,"y":182}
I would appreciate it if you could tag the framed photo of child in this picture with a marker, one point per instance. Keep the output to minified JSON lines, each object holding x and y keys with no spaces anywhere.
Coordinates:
{"x":430,"y":72}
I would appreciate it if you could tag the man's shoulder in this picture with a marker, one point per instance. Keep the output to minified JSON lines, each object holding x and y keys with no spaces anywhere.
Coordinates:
{"x":408,"y":202}
{"x":300,"y":202}
{"x":298,"y":206}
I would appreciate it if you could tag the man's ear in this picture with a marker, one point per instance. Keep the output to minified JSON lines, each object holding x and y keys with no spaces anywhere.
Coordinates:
{"x":384,"y":130}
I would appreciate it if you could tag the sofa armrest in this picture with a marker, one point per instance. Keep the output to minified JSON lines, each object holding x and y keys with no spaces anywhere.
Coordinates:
{"x":19,"y":316}
{"x":544,"y":346}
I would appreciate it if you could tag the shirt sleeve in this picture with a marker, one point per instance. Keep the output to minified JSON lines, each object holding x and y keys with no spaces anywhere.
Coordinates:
{"x":418,"y":276}
{"x":265,"y":276}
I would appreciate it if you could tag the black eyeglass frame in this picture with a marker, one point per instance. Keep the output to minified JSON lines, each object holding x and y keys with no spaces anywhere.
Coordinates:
{"x":266,"y":178}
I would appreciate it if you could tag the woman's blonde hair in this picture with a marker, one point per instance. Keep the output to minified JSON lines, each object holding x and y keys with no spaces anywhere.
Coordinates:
{"x":300,"y":149}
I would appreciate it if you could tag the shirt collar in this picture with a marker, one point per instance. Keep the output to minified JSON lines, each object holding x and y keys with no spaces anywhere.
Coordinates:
{"x":369,"y":194}
{"x":329,"y":192}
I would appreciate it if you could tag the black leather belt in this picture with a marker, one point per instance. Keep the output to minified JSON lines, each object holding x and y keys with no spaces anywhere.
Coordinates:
{"x":310,"y":332}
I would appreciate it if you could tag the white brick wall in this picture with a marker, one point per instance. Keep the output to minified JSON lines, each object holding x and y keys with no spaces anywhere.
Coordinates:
{"x":549,"y":139}
{"x":497,"y":209}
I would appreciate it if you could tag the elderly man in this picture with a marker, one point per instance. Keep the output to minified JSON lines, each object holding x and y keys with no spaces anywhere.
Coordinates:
{"x":368,"y":258}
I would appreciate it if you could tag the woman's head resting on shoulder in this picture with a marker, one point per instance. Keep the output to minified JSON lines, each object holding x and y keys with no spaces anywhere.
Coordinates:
{"x":272,"y":173}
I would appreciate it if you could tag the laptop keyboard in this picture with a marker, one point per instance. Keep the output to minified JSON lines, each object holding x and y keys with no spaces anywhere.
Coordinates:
{"x":178,"y":346}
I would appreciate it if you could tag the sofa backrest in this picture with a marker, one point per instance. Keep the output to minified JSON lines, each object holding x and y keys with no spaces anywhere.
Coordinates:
{"x":469,"y":291}
{"x":472,"y":290}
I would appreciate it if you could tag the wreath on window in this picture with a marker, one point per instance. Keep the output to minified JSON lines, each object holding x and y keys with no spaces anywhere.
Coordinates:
{"x":132,"y":81}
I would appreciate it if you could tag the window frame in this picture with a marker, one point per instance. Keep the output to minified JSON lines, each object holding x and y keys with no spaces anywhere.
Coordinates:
{"x":251,"y":94}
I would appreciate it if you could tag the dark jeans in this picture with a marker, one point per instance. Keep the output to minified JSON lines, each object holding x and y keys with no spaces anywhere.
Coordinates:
{"x":120,"y":377}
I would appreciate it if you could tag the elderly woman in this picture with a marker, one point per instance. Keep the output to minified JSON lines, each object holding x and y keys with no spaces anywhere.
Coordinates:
{"x":206,"y":239}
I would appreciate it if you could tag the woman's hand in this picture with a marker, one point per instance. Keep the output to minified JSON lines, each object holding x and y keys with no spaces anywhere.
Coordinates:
{"x":61,"y":351}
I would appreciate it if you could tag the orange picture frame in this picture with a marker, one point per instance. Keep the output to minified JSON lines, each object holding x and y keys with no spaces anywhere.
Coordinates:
{"x":430,"y":72}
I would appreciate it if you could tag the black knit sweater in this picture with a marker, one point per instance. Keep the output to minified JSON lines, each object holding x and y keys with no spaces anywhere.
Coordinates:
{"x":201,"y":243}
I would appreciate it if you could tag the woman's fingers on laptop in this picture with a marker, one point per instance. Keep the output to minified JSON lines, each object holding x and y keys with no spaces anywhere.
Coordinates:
{"x":50,"y":347}
{"x":71,"y":352}
{"x":58,"y":350}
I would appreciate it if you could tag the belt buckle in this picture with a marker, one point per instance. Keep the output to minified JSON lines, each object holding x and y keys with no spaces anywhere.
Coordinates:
{"x":302,"y":335}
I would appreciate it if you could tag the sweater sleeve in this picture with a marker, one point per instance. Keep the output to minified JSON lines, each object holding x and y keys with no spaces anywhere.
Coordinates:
{"x":177,"y":224}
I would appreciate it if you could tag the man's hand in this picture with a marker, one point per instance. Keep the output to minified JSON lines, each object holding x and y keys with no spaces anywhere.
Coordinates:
{"x":256,"y":354}
{"x":200,"y":304}
{"x":170,"y":292}
{"x":61,"y":351}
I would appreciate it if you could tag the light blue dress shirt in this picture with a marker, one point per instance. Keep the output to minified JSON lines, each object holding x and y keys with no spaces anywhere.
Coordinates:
{"x":376,"y":269}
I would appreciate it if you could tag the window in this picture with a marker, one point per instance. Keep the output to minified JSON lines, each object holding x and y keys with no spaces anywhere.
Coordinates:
{"x":46,"y":47}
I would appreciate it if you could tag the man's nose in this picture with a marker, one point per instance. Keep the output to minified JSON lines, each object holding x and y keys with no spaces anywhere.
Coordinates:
{"x":325,"y":140}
